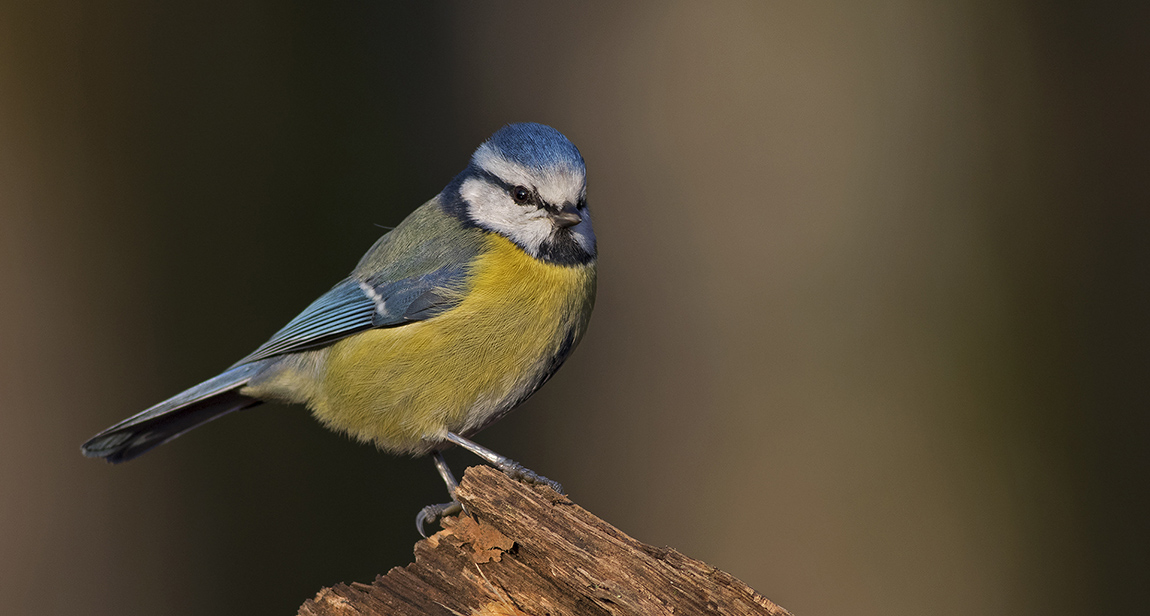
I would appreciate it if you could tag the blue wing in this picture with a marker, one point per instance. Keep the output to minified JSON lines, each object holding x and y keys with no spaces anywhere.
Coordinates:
{"x":341,"y":312}
{"x":417,"y":271}
{"x":353,"y":306}
{"x":417,"y":298}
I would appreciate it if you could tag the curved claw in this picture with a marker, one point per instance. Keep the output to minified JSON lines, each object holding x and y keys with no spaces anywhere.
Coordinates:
{"x":434,"y":513}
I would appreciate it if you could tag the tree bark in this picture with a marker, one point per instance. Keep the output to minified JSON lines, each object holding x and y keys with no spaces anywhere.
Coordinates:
{"x":526,"y":550}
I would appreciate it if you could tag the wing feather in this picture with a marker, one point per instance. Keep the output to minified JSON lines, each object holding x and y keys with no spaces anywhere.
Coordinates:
{"x":416,"y":272}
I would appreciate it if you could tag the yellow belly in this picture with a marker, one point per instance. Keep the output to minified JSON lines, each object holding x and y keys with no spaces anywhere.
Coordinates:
{"x":405,"y":387}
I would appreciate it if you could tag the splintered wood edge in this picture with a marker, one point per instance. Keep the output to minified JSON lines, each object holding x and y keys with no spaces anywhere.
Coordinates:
{"x":527,"y":550}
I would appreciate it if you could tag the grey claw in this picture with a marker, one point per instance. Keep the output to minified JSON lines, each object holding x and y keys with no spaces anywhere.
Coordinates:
{"x":554,"y":485}
{"x":434,"y":513}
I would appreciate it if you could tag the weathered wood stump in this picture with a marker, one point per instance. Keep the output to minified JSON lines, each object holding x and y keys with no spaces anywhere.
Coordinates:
{"x":531,"y":551}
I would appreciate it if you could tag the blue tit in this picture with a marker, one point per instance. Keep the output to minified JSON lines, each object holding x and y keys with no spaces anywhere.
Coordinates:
{"x":448,"y":322}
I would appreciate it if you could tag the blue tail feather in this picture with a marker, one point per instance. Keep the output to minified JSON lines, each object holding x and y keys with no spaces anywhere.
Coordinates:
{"x":167,"y":420}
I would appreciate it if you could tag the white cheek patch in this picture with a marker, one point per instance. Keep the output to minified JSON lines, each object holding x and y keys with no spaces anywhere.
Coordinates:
{"x":556,"y":185}
{"x":492,"y":208}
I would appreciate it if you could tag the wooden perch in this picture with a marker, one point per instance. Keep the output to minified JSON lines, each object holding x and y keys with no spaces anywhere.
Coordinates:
{"x":533,"y":552}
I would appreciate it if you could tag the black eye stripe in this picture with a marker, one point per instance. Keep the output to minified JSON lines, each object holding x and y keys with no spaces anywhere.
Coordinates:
{"x":491,"y":178}
{"x":508,"y":187}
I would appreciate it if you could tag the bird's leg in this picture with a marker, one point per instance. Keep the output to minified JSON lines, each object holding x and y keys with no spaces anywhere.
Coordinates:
{"x":445,"y":472}
{"x":512,"y":468}
{"x":433,"y":513}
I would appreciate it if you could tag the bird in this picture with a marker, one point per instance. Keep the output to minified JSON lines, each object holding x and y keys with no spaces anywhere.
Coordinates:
{"x":448,"y":322}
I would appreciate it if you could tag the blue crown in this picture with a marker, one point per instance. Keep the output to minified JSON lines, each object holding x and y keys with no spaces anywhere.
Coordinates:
{"x":535,"y":146}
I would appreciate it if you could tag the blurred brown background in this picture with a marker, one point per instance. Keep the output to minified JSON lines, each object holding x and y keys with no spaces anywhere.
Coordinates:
{"x":872,"y":331}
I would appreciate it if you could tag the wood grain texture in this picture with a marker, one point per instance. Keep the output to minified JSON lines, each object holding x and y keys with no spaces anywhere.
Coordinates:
{"x":530,"y":551}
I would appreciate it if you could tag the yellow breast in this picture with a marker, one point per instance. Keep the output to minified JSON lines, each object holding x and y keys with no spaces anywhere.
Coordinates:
{"x":404,"y":385}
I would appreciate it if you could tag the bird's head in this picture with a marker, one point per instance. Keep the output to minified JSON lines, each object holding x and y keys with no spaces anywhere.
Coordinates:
{"x":528,"y":184}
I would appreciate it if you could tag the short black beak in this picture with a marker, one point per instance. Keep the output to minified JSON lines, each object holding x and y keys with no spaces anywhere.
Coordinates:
{"x":566,"y":217}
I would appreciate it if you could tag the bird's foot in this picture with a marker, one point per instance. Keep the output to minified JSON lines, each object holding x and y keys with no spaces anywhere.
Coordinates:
{"x":510,"y":467}
{"x":519,"y":472}
{"x":434,"y":513}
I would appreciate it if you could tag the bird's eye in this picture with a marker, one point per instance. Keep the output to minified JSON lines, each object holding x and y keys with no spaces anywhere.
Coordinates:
{"x":521,"y":195}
